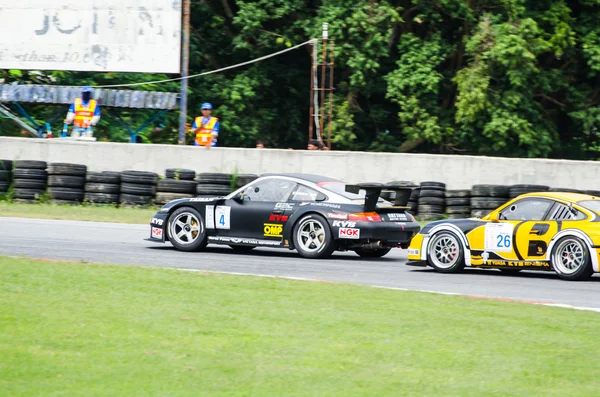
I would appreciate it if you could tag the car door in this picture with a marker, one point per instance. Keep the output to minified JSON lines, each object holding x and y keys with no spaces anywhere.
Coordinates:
{"x":256,"y":215}
{"x":507,"y":240}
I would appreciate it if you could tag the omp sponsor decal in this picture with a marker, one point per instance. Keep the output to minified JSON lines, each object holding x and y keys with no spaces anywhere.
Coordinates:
{"x":397,"y":217}
{"x":344,"y":224}
{"x":346,"y":232}
{"x":157,"y":221}
{"x":278,"y":218}
{"x":238,"y":240}
{"x":335,"y":215}
{"x":272,"y":230}
{"x":284,"y":206}
{"x":156,"y":232}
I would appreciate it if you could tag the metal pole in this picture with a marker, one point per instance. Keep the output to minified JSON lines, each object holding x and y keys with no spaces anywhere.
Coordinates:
{"x":330,"y":93}
{"x":185,"y":61}
{"x":311,"y":110}
{"x":323,"y":73}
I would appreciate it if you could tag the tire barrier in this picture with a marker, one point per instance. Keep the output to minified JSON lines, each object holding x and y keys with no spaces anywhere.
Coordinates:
{"x":66,"y":182}
{"x":458,"y":203}
{"x":137,"y":187}
{"x":102,"y":187}
{"x":213,"y":184}
{"x":6,"y":167}
{"x":180,"y":174}
{"x":172,"y":188}
{"x":431,"y":202}
{"x":485,"y":198}
{"x":29,"y":179}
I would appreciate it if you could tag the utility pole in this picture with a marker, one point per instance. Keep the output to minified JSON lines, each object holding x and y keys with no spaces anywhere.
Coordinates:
{"x":318,"y":94}
{"x":185,"y":64}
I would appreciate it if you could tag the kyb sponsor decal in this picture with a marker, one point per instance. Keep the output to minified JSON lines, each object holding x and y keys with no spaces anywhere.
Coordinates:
{"x":344,"y":224}
{"x":346,"y":232}
{"x":284,"y":206}
{"x":156,"y":232}
{"x":157,"y":221}
{"x":273,"y":230}
{"x":278,"y":218}
{"x":333,"y":215}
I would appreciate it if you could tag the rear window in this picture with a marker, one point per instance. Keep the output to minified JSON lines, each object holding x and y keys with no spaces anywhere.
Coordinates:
{"x":339,"y":188}
{"x":593,"y":205}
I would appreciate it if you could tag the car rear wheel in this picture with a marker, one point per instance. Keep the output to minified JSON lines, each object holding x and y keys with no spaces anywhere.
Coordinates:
{"x":313,"y":238}
{"x":376,"y":253}
{"x":445,"y":253}
{"x":571,"y":259}
{"x":186,"y":230}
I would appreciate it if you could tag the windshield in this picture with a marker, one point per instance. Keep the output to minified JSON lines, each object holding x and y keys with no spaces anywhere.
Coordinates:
{"x":593,"y":205}
{"x":339,"y":188}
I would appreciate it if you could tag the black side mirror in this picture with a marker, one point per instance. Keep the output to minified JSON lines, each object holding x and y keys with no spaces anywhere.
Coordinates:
{"x":321,"y":197}
{"x":239,"y":197}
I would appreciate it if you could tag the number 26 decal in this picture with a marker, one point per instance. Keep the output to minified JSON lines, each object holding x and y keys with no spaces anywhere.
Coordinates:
{"x":503,"y":241}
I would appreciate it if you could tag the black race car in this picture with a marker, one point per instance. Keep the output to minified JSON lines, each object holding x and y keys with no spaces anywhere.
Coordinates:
{"x":313,"y":214}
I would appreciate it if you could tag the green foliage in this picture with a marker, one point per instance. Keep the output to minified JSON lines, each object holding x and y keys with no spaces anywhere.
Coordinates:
{"x":492,"y":77}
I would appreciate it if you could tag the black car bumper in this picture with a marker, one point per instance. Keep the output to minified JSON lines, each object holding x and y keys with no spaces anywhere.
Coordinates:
{"x":158,"y":227}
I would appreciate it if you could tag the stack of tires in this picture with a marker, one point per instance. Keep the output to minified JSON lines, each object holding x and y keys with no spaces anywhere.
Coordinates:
{"x":244,"y":179}
{"x":66,"y":182}
{"x":213,"y":184}
{"x":517,"y":190}
{"x":485,"y":198}
{"x":458,"y":204}
{"x":5,"y":175}
{"x":179,"y":184}
{"x":432,"y":203}
{"x":29,"y":180}
{"x":102,"y":187}
{"x":413,"y":202}
{"x":137,"y":187}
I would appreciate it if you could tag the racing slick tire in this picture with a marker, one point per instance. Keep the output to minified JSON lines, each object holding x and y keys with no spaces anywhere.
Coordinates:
{"x":30,"y":164}
{"x":214,"y":178}
{"x":101,"y":198}
{"x":67,"y":169}
{"x":30,"y":184}
{"x":445,"y":252}
{"x":139,"y":177}
{"x":180,"y":174}
{"x":176,"y":186}
{"x":181,"y":226}
{"x":66,"y":181}
{"x":108,"y":188}
{"x":109,"y":177}
{"x":138,"y":189}
{"x":4,"y":186}
{"x":376,"y":253}
{"x":65,"y":193}
{"x":313,"y":238}
{"x":571,"y":259}
{"x":458,"y":194}
{"x":5,"y":175}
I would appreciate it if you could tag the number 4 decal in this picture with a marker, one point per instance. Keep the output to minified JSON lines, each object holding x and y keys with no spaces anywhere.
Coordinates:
{"x":222,"y":213}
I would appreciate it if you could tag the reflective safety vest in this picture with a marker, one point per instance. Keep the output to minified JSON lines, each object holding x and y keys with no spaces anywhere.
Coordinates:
{"x":84,"y":114}
{"x":204,"y":131}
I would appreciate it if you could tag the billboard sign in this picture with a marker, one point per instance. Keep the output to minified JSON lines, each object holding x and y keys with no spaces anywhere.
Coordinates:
{"x":91,"y":35}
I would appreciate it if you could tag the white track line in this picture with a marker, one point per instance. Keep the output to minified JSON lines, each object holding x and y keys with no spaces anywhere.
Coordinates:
{"x":592,"y":309}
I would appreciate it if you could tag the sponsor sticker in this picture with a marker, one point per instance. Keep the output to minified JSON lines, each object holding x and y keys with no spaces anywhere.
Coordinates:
{"x":156,"y":232}
{"x":210,"y":217}
{"x":222,"y":217}
{"x":498,"y":237}
{"x":335,"y":215}
{"x":344,"y":224}
{"x":278,"y":218}
{"x":200,"y":199}
{"x":237,"y":240}
{"x":330,"y":205}
{"x":346,"y":232}
{"x":397,"y":217}
{"x":273,"y":230}
{"x":412,"y":251}
{"x":284,"y":206}
{"x":157,"y":221}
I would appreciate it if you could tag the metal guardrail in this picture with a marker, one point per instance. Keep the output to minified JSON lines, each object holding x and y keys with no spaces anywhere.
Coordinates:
{"x":50,"y":94}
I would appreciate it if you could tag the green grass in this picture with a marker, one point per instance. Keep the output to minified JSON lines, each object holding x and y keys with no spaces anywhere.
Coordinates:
{"x":93,"y":330}
{"x":97,"y":213}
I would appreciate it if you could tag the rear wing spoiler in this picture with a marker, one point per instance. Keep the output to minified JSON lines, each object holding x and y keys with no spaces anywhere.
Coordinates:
{"x":373,"y":191}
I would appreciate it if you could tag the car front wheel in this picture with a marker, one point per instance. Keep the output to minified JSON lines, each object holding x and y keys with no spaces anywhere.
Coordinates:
{"x":571,"y":259}
{"x":313,"y":238}
{"x":445,"y":253}
{"x":186,"y":230}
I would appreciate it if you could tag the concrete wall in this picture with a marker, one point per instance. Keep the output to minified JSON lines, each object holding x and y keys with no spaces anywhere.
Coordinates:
{"x":456,"y":171}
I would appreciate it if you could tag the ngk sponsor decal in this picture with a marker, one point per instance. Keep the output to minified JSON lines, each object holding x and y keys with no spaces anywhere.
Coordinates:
{"x":157,"y":232}
{"x":344,"y":224}
{"x":351,"y":233}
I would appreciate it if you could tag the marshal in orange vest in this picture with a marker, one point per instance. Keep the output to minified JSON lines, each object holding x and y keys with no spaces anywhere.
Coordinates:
{"x":84,"y":114}
{"x":204,"y":131}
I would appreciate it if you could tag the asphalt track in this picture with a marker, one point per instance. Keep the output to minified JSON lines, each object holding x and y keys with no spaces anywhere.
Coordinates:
{"x":113,"y":243}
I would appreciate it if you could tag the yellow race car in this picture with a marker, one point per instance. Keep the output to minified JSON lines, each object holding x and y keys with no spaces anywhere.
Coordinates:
{"x":536,"y":231}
